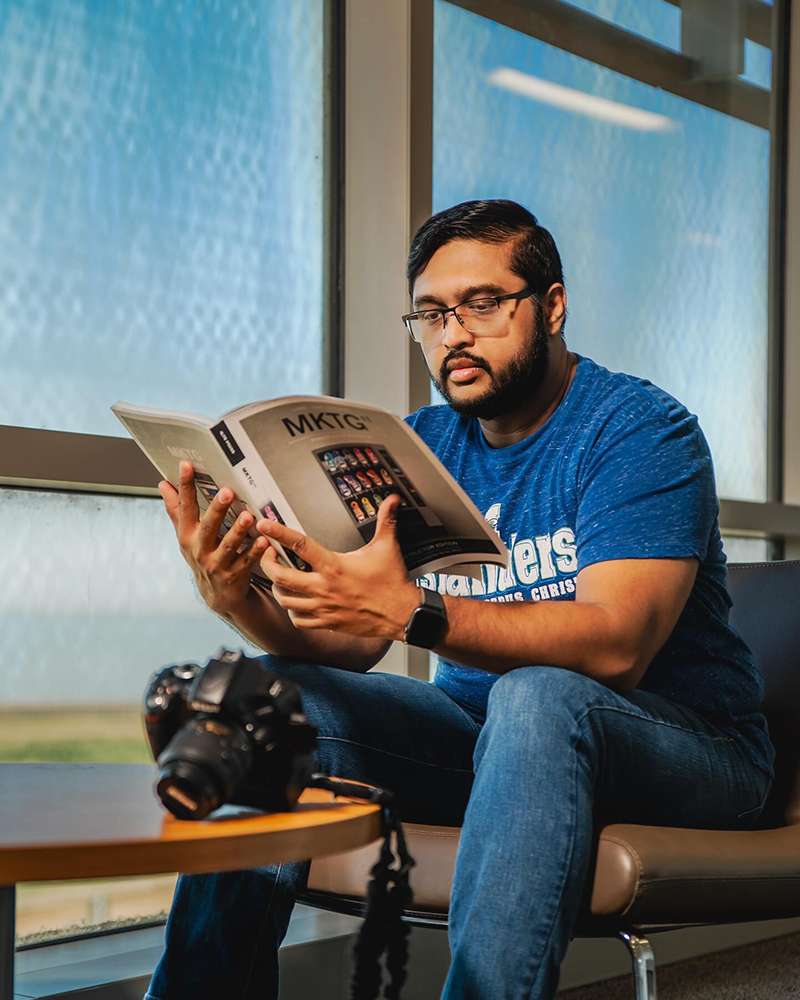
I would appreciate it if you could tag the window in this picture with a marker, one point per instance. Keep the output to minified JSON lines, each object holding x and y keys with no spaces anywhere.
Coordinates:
{"x":656,"y":188}
{"x":94,"y":596}
{"x":162,"y":239}
{"x":160,"y":207}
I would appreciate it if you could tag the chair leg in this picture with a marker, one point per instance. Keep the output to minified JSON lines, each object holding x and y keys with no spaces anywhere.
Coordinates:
{"x":644,"y":965}
{"x":7,"y":943}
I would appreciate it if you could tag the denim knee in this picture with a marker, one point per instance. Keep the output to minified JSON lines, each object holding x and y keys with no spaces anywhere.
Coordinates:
{"x":529,"y":689}
{"x":535,"y":711}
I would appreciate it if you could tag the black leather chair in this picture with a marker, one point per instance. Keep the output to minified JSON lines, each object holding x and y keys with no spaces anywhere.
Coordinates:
{"x":650,"y":878}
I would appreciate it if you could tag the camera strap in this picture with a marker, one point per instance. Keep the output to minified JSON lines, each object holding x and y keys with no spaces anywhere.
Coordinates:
{"x":388,"y":894}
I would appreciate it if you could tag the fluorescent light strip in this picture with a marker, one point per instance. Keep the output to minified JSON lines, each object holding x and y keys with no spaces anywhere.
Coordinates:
{"x":580,"y":102}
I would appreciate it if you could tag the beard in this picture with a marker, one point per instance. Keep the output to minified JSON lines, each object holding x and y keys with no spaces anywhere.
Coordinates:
{"x":510,"y":388}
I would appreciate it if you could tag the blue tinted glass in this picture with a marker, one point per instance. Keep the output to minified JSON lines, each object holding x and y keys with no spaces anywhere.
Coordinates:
{"x":659,"y":207}
{"x":160,"y":206}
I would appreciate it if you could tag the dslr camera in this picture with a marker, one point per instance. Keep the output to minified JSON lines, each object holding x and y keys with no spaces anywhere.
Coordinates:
{"x":229,"y":732}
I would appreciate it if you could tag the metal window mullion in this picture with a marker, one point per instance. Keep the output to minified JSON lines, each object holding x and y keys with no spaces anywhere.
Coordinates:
{"x":791,"y":290}
{"x":581,"y":34}
{"x":778,"y":520}
{"x":389,"y":100}
{"x":758,"y":21}
{"x":776,"y":267}
{"x":388,"y":178}
{"x":333,"y":183}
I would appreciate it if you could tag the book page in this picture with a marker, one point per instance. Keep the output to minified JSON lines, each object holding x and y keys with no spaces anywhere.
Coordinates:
{"x":169,"y":438}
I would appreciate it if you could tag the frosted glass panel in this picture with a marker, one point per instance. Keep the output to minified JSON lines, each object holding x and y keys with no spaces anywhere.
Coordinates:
{"x":160,"y":206}
{"x":662,"y":225}
{"x":94,"y":596}
{"x":746,"y":550}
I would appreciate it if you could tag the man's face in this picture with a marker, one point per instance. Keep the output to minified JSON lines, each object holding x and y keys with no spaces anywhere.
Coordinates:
{"x":505,"y":367}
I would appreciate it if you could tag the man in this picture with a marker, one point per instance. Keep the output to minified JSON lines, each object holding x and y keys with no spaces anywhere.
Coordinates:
{"x":595,"y":680}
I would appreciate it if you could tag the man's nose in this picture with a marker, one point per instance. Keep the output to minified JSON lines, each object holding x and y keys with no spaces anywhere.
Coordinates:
{"x":454,"y":333}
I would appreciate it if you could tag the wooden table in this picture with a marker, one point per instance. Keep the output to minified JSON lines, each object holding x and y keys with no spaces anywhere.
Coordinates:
{"x":76,"y":821}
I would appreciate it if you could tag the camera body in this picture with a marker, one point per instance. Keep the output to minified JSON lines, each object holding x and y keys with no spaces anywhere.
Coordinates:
{"x":229,"y":732}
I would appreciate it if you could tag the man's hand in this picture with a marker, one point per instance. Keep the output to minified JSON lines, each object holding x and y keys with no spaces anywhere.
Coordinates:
{"x":221,"y":571}
{"x":365,"y":593}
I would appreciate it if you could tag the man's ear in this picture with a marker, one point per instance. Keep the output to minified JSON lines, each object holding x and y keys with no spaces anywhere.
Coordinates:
{"x":555,"y":304}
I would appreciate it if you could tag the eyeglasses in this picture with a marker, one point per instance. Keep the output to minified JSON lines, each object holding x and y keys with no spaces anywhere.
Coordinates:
{"x":480,"y":317}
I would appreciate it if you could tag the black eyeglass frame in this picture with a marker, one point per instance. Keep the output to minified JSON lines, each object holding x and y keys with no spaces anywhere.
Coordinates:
{"x":407,"y":318}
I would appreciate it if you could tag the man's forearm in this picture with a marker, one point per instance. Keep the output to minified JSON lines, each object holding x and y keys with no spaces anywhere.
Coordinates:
{"x":266,"y":625}
{"x":499,"y":637}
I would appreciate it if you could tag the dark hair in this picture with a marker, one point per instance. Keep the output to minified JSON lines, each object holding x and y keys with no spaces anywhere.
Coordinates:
{"x":534,"y":258}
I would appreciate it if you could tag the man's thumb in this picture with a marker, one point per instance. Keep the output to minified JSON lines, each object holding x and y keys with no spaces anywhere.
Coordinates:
{"x":386,"y":522}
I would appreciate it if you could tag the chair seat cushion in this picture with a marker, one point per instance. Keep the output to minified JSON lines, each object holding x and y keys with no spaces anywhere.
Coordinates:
{"x":656,"y":874}
{"x":433,"y":848}
{"x":650,"y":874}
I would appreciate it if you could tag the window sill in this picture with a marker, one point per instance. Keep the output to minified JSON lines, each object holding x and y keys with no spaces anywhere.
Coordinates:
{"x":117,"y":966}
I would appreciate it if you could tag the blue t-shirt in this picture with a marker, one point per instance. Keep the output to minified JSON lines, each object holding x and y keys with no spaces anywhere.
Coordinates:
{"x":621,"y":470}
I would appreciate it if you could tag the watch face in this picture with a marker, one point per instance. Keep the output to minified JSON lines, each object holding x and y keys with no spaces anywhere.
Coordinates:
{"x":428,"y":622}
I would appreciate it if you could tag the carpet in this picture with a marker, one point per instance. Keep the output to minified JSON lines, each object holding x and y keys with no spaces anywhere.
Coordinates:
{"x":765,"y":970}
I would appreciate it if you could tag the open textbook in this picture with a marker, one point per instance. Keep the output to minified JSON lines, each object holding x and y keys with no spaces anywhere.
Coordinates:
{"x":323,"y":465}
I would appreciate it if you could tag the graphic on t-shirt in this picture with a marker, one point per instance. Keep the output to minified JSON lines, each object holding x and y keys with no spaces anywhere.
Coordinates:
{"x":541,"y":568}
{"x":492,"y":515}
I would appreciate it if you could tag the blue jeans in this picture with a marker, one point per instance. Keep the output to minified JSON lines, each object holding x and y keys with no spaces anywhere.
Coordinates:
{"x":558,"y":756}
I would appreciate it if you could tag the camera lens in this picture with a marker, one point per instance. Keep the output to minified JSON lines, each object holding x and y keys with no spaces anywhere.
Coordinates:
{"x":201,"y":766}
{"x":188,"y":791}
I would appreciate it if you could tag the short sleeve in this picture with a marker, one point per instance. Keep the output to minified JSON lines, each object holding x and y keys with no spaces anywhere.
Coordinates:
{"x":646,"y":488}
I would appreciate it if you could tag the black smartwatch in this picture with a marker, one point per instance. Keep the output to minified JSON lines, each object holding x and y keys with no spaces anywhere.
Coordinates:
{"x":428,"y":622}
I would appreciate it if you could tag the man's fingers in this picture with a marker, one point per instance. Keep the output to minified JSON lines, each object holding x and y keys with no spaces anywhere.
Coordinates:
{"x":188,"y":511}
{"x":308,"y":550}
{"x":248,"y":560}
{"x":171,"y":502}
{"x":308,"y":621}
{"x":294,"y":580}
{"x":290,"y":601}
{"x":232,"y":541}
{"x":211,"y":521}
